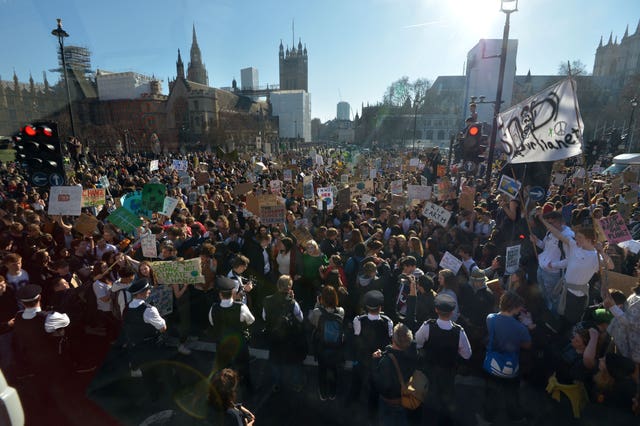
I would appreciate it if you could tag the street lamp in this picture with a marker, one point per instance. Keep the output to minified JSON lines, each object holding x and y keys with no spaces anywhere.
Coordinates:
{"x":61,"y":34}
{"x":634,"y":104}
{"x":508,"y":7}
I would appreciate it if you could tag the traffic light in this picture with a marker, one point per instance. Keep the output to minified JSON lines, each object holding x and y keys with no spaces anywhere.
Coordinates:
{"x":471,"y":146}
{"x":39,"y":151}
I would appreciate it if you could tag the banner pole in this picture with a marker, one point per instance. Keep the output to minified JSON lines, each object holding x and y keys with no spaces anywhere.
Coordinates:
{"x":524,"y":206}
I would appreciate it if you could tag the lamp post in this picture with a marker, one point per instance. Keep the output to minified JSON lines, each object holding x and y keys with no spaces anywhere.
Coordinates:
{"x":634,"y":104}
{"x":61,"y":34}
{"x":508,"y":7}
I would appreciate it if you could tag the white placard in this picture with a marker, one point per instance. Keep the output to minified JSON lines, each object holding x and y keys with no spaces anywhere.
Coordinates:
{"x":326,"y":194}
{"x":104,"y":181}
{"x":396,"y":187}
{"x":450,"y":262}
{"x":414,"y":162}
{"x":438,"y":214}
{"x":512,"y":262}
{"x":169,"y":206}
{"x":373,"y":173}
{"x":418,"y":192}
{"x":632,"y":245}
{"x":276,"y":186}
{"x":65,"y":200}
{"x":153,"y":165}
{"x":148,"y":244}
{"x":179,"y":165}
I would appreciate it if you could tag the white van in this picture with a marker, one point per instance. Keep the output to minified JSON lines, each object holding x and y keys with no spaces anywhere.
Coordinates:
{"x":621,"y":162}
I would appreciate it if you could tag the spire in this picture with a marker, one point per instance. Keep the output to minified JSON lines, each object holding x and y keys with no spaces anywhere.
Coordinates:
{"x":46,"y":82}
{"x":305,"y":50}
{"x":281,"y":50}
{"x":179,"y":66}
{"x":32,"y":86}
{"x":194,"y":41}
{"x":600,"y":45}
{"x":626,"y":32}
{"x":610,"y":38}
{"x":637,"y":28}
{"x":15,"y":80}
{"x":300,"y":45}
{"x":616,"y":41}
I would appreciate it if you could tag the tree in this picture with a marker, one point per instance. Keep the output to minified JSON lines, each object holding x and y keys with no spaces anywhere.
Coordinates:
{"x":404,"y":93}
{"x":577,"y":68}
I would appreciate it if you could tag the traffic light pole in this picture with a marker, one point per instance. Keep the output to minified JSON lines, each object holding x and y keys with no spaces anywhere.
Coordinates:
{"x":498,"y":102}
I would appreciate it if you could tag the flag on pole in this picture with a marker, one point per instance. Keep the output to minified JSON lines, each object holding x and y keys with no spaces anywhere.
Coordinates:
{"x":544,"y":127}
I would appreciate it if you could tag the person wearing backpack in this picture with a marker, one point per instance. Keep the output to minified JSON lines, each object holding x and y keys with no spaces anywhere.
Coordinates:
{"x":328,"y":339}
{"x":286,"y":340}
{"x":120,"y":297}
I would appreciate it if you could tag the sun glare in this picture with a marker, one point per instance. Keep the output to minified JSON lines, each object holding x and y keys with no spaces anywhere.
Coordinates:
{"x":475,"y":17}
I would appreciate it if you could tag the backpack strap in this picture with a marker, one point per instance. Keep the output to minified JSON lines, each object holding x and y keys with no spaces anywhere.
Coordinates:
{"x":395,"y":363}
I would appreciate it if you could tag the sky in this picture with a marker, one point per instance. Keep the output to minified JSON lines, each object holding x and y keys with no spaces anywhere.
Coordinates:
{"x":356,"y":48}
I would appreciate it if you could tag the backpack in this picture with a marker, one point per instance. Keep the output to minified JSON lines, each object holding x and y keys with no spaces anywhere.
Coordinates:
{"x":284,"y":324}
{"x":330,"y":331}
{"x":115,"y":306}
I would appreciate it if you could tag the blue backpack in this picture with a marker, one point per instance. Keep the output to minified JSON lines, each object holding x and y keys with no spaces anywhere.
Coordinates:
{"x":330,"y":331}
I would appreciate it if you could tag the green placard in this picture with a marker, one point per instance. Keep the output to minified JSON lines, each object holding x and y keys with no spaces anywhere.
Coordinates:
{"x":125,"y":220}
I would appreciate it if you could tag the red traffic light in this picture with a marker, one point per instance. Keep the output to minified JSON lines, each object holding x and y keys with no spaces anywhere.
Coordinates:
{"x":29,"y":130}
{"x":47,"y":131}
{"x":474,"y":130}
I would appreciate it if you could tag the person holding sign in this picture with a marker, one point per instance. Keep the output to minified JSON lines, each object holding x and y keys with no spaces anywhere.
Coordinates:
{"x":583,"y":259}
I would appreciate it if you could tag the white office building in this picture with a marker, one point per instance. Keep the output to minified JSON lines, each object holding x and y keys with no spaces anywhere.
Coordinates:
{"x":293,"y":109}
{"x":483,"y":68}
{"x":124,"y":85}
{"x":344,"y":111}
{"x":249,"y":78}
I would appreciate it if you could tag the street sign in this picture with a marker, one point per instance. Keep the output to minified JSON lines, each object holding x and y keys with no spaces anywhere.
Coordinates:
{"x":56,"y":179}
{"x":39,"y":179}
{"x":536,"y":193}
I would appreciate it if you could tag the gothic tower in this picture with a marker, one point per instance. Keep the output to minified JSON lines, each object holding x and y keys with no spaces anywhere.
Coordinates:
{"x":179,"y":67}
{"x":196,"y":71}
{"x":293,"y":68}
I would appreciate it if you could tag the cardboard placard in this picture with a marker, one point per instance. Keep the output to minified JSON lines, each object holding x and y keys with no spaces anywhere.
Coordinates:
{"x":467,"y":197}
{"x":154,"y":165}
{"x":438,"y":214}
{"x":94,"y":197}
{"x":149,"y":246}
{"x":450,"y":262}
{"x":622,"y":282}
{"x":178,"y":271}
{"x":86,"y":224}
{"x":615,"y":229}
{"x":302,"y":235}
{"x":202,"y":178}
{"x":65,"y":200}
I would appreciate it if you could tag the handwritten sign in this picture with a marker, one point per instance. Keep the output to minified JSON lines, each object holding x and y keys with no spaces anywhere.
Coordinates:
{"x":153,"y":165}
{"x":168,"y":206}
{"x":512,"y":262}
{"x":178,"y":271}
{"x":275,"y":186}
{"x":450,"y":262}
{"x":104,"y":181}
{"x":272,"y":214}
{"x":307,"y":187}
{"x":124,"y":219}
{"x":418,"y":192}
{"x":438,"y":214}
{"x":93,"y":197}
{"x":326,"y":194}
{"x":287,"y":175}
{"x":148,"y":245}
{"x":615,"y":229}
{"x":396,"y":187}
{"x":65,"y":200}
{"x":86,"y":224}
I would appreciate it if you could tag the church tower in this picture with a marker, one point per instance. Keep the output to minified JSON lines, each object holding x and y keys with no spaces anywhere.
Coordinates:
{"x":196,"y":71}
{"x":294,"y":67}
{"x":179,"y":66}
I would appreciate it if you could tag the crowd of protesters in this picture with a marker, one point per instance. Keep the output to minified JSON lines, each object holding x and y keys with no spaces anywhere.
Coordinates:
{"x":362,"y":282}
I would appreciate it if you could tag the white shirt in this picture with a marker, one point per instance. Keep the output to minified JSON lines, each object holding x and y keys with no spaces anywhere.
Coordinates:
{"x":581,"y":265}
{"x":245,"y":314}
{"x":19,"y":280}
{"x":53,"y":322}
{"x":102,"y":290}
{"x":422,"y":336}
{"x":267,"y":265}
{"x":551,"y":251}
{"x":124,"y":296}
{"x":151,"y":314}
{"x":284,"y":263}
{"x":357,"y":326}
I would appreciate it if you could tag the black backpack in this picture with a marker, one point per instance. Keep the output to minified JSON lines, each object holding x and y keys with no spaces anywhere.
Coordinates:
{"x":330,"y":331}
{"x":284,"y":324}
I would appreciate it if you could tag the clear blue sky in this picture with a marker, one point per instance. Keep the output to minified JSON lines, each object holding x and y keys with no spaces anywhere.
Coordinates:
{"x":356,"y":47}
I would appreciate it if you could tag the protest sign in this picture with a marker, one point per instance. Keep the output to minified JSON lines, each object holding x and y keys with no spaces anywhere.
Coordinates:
{"x":373,"y":173}
{"x":275,"y":186}
{"x":307,"y":187}
{"x":124,"y":219}
{"x":168,"y":206}
{"x":287,"y":175}
{"x":178,"y":271}
{"x":86,"y":224}
{"x":413,"y":162}
{"x":270,"y":215}
{"x":93,"y":197}
{"x":104,"y":181}
{"x":445,"y":191}
{"x":185,"y":181}
{"x":326,"y":194}
{"x":623,"y":282}
{"x":396,"y":187}
{"x":202,"y":178}
{"x":418,"y":192}
{"x":615,"y":229}
{"x":133,"y":202}
{"x":148,"y":245}
{"x":343,"y":199}
{"x":366,"y":198}
{"x":302,"y":235}
{"x":632,"y":245}
{"x":424,"y":181}
{"x":252,"y":204}
{"x":558,"y":178}
{"x":450,"y":262}
{"x":153,"y":196}
{"x":438,"y":214}
{"x":162,"y":298}
{"x":179,"y":165}
{"x":344,"y":179}
{"x":153,"y":165}
{"x":65,"y":200}
{"x":509,"y":186}
{"x":467,"y":197}
{"x":441,"y":170}
{"x":243,"y":188}
{"x":512,"y":262}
